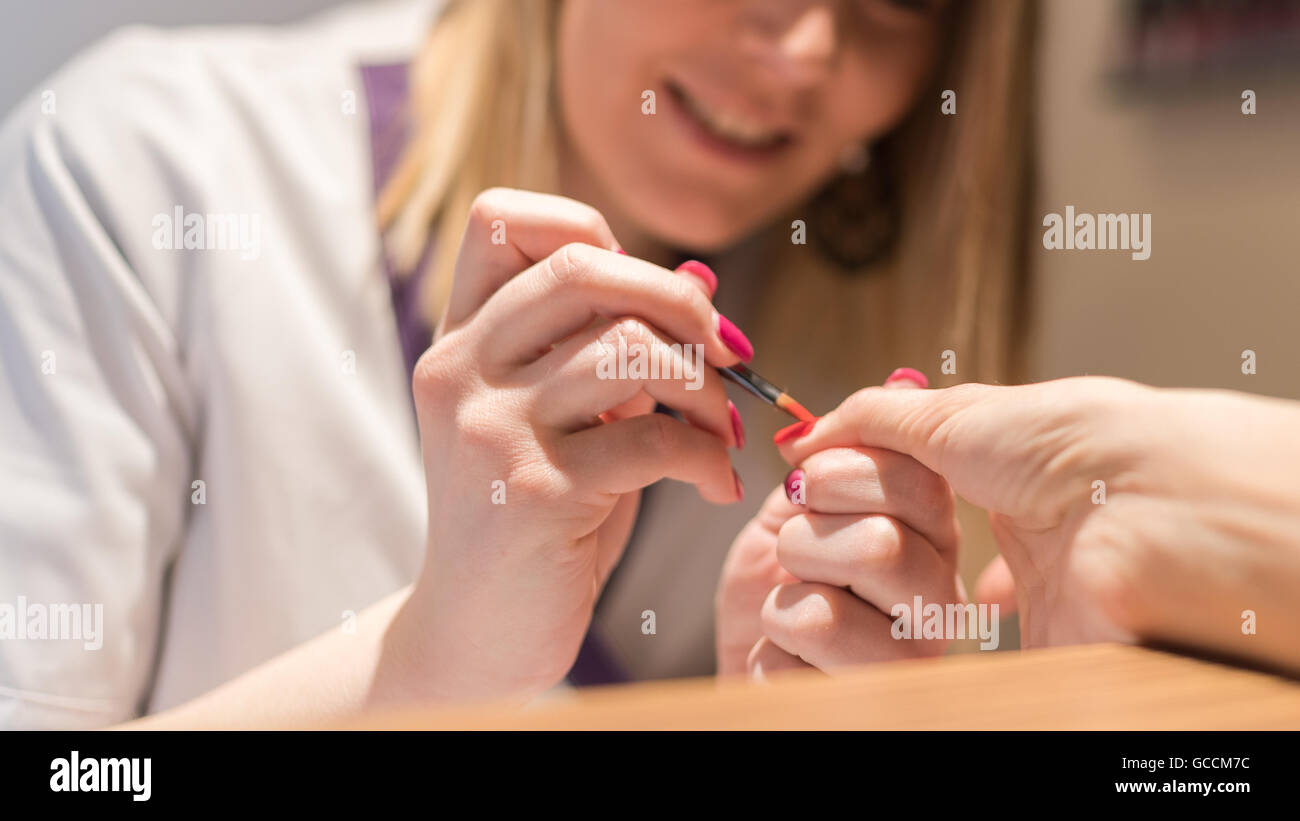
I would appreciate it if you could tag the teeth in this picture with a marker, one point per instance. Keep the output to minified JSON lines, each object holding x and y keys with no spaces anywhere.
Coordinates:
{"x":730,"y":125}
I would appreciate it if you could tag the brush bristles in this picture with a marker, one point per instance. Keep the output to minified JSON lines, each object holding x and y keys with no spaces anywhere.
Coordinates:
{"x":787,"y":403}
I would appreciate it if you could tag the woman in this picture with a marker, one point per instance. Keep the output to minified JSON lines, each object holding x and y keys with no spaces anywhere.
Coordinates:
{"x":214,"y":435}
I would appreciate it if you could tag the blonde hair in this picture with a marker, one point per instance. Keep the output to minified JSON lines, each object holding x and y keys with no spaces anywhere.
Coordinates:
{"x":483,"y":114}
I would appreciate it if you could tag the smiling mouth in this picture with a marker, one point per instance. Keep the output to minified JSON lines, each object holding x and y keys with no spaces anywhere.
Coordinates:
{"x":730,"y":127}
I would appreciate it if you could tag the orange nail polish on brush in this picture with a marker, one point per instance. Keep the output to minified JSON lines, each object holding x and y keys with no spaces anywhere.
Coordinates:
{"x":765,"y":390}
{"x":792,"y":432}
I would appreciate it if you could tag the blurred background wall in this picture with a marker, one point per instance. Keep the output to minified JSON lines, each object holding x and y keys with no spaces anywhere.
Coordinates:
{"x":37,"y":37}
{"x":1156,"y":126}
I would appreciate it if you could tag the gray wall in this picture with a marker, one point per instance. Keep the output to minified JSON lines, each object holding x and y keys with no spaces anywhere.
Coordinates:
{"x":38,"y":36}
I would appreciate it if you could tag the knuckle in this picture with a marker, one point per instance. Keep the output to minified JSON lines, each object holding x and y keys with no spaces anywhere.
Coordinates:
{"x":857,"y":401}
{"x":488,"y":205}
{"x":571,"y":264}
{"x":691,"y":299}
{"x":590,"y":221}
{"x":434,"y":377}
{"x":802,"y":614}
{"x":628,"y":330}
{"x":817,"y":620}
{"x":481,"y":427}
{"x":660,"y":434}
{"x":881,"y":544}
{"x":527,"y":481}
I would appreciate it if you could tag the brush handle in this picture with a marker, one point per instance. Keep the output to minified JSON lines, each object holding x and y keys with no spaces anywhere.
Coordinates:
{"x":752,"y":382}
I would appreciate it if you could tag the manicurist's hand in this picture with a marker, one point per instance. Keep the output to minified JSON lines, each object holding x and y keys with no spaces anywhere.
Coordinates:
{"x":811,"y":580}
{"x":1122,"y":512}
{"x":534,"y":460}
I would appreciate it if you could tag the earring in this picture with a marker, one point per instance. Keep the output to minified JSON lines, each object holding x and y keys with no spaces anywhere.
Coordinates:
{"x":855,"y":159}
{"x":856,"y":215}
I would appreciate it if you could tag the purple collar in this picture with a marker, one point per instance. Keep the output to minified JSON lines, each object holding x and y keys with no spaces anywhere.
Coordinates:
{"x":386,"y":91}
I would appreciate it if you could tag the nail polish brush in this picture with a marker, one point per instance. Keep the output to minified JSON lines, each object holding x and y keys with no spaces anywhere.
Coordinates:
{"x":765,"y":390}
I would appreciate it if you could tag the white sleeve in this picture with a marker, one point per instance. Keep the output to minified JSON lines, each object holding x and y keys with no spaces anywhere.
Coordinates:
{"x":96,"y":421}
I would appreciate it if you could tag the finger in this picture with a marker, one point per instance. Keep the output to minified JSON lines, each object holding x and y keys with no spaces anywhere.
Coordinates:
{"x":900,"y":379}
{"x":872,"y":480}
{"x":701,"y":274}
{"x":767,"y":660}
{"x":510,"y":230}
{"x":603,"y":367}
{"x":921,"y":424}
{"x":633,"y":453}
{"x":638,"y":405}
{"x":904,"y":378}
{"x":704,"y":278}
{"x":749,"y":572}
{"x":883,"y":561}
{"x":997,"y":586}
{"x":829,"y":627}
{"x":1015,"y":450}
{"x":579,"y":284}
{"x":619,"y":521}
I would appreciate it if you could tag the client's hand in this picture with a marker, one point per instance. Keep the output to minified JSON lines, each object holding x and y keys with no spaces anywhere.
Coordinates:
{"x":1122,"y":512}
{"x":812,"y":578}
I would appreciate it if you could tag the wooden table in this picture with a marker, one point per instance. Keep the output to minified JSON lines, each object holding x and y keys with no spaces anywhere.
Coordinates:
{"x":1089,"y":687}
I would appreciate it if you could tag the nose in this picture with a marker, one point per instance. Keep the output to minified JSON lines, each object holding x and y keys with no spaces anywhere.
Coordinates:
{"x":797,"y":40}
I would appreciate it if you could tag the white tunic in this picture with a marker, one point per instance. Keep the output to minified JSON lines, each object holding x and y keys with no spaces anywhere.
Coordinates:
{"x":131,"y":372}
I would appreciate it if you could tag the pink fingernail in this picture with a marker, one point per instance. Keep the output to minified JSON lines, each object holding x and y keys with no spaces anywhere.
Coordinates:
{"x":621,"y":251}
{"x":795,"y":489}
{"x":737,"y":427}
{"x":703,"y":272}
{"x":735,"y":341}
{"x":911,"y":375}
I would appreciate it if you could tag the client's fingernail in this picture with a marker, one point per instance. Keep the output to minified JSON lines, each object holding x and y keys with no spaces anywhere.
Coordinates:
{"x":734,"y":339}
{"x":910,"y":375}
{"x":740,"y":486}
{"x":792,"y":432}
{"x":737,"y":427}
{"x":795,"y":489}
{"x":701,"y":272}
